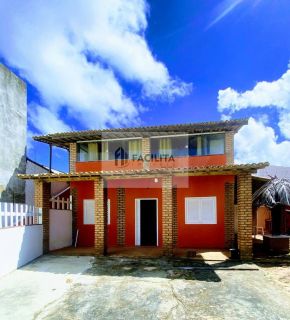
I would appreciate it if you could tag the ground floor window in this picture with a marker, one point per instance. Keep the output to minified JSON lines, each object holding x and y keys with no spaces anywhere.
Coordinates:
{"x":200,"y":210}
{"x":89,"y":211}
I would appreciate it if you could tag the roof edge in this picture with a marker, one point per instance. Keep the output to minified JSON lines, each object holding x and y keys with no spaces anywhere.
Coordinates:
{"x":242,"y":168}
{"x":60,"y":139}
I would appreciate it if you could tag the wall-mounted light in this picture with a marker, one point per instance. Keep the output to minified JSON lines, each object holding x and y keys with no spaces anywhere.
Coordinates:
{"x":155,"y":180}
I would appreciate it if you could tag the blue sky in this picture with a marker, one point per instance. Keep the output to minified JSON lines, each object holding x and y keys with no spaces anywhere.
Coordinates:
{"x":97,"y":64}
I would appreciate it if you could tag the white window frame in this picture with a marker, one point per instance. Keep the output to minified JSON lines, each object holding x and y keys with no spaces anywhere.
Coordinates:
{"x":200,"y":220}
{"x":137,"y":220}
{"x":108,"y":211}
{"x":86,"y":219}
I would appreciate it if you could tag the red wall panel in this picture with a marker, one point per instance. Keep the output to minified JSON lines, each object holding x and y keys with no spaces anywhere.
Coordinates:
{"x":201,"y":235}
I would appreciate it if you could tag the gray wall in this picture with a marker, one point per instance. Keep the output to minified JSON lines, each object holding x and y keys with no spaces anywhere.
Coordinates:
{"x":13,"y":122}
{"x":31,"y":168}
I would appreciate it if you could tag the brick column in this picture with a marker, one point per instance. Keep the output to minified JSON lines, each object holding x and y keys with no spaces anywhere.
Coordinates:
{"x":229,"y":214}
{"x":229,"y":146}
{"x":167,"y":215}
{"x":99,"y":216}
{"x":121,"y":218}
{"x":42,"y":195}
{"x":245,"y":241}
{"x":145,"y":151}
{"x":72,"y":157}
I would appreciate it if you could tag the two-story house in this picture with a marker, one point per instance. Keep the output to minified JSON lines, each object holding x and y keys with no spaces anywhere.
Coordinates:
{"x":173,"y":186}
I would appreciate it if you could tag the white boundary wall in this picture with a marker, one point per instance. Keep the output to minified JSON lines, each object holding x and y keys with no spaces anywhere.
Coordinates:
{"x":60,"y":229}
{"x":18,"y":246}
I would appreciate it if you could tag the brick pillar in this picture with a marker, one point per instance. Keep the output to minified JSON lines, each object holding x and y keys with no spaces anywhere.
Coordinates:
{"x":167,"y":215}
{"x":72,"y":157}
{"x":42,"y":195}
{"x":145,"y":151}
{"x":229,"y":146}
{"x":245,"y":241}
{"x":100,"y":216}
{"x":174,"y":212}
{"x":121,"y":217}
{"x":229,"y":214}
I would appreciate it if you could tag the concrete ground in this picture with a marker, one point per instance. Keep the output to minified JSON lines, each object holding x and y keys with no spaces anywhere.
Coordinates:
{"x":66,"y":287}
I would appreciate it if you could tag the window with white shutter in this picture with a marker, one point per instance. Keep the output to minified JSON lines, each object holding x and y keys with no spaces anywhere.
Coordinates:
{"x":200,"y":210}
{"x":89,"y":211}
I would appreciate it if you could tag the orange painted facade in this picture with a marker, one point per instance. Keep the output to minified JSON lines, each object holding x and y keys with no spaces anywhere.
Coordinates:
{"x":201,"y":235}
{"x":190,"y":236}
{"x":108,"y":165}
{"x":194,"y":161}
{"x":177,"y":162}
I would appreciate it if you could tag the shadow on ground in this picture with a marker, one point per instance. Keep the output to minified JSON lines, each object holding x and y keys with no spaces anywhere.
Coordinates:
{"x":186,"y":269}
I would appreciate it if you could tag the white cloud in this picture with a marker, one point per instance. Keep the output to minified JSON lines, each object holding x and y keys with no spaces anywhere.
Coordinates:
{"x":45,"y":121}
{"x":275,"y":94}
{"x":257,"y":142}
{"x":74,"y":53}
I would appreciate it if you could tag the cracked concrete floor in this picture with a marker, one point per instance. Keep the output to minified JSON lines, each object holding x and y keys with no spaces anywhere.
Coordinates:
{"x":58,"y":287}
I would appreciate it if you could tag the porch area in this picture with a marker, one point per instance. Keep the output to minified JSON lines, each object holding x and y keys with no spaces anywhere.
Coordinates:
{"x":117,"y":233}
{"x":147,"y":252}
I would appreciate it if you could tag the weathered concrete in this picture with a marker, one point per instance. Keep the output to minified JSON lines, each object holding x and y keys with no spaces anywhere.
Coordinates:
{"x":56,"y":287}
{"x":13,"y":121}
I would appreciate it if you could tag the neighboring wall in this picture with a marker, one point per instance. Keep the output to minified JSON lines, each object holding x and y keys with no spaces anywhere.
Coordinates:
{"x":13,"y":121}
{"x":31,"y":167}
{"x":18,"y":246}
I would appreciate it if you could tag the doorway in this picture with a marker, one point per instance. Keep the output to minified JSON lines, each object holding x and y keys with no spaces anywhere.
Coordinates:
{"x":146,"y":222}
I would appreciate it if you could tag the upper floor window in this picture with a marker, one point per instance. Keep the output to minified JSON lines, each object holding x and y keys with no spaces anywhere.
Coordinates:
{"x":188,"y":145}
{"x":109,"y":150}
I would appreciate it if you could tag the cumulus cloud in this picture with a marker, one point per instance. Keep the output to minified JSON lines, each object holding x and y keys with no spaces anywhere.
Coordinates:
{"x":275,"y":94}
{"x":45,"y":121}
{"x":76,"y":53}
{"x":257,"y":142}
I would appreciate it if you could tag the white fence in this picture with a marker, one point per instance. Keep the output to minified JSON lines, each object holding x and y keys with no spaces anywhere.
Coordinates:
{"x":61,"y":203}
{"x":17,"y":214}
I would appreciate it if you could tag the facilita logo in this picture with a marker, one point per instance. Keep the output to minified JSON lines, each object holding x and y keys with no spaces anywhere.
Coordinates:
{"x":121,"y":157}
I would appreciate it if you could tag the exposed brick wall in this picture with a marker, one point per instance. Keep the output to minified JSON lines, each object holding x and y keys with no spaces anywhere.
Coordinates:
{"x":72,"y":157}
{"x":145,"y":151}
{"x":167,"y":215}
{"x":229,"y":147}
{"x":42,"y":192}
{"x":174,"y":212}
{"x":121,"y":217}
{"x":99,"y":216}
{"x":229,"y":214}
{"x":245,"y":242}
